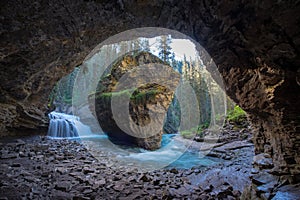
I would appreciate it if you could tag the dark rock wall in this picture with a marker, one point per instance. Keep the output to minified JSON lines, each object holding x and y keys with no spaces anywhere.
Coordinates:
{"x":255,"y":45}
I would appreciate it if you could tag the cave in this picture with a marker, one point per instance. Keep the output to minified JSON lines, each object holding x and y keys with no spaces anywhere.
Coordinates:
{"x":255,"y":46}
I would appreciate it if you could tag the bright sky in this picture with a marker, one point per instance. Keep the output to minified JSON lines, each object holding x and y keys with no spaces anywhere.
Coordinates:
{"x":179,"y":46}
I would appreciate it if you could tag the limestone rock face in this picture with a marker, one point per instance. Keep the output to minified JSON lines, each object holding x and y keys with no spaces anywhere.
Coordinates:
{"x":145,"y":91}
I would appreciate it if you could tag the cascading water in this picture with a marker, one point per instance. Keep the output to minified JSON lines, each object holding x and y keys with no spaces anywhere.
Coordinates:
{"x":62,"y":125}
{"x":69,"y":126}
{"x":172,"y":154}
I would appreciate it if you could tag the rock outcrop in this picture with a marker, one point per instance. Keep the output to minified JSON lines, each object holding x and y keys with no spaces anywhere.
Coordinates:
{"x":148,"y":99}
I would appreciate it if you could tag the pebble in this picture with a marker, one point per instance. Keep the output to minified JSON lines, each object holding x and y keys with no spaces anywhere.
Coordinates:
{"x":63,"y":186}
{"x":65,"y":169}
{"x":16,"y":165}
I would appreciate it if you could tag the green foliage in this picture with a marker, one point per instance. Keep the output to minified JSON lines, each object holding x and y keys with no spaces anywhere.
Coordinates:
{"x":165,"y":50}
{"x":236,"y":115}
{"x":106,"y":96}
{"x":195,"y":131}
{"x":144,"y":96}
{"x":52,"y":96}
{"x":220,"y":118}
{"x":63,"y":90}
{"x":187,"y":134}
{"x":136,"y":97}
{"x":172,"y":120}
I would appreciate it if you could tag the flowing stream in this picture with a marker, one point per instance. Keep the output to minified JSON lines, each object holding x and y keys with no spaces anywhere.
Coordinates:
{"x":172,"y":154}
{"x":62,"y":125}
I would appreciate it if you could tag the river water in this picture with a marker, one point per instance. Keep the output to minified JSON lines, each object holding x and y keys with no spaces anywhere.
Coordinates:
{"x":172,"y":154}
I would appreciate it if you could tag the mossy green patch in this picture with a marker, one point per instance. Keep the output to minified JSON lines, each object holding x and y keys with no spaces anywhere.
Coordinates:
{"x":187,"y":134}
{"x":236,"y":115}
{"x":106,"y":96}
{"x":137,"y":97}
{"x":195,"y":131}
{"x":143,"y":96}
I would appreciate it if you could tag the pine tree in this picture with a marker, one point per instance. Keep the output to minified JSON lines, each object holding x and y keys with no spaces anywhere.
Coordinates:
{"x":164,"y":47}
{"x":136,"y":44}
{"x":123,"y":47}
{"x":144,"y":44}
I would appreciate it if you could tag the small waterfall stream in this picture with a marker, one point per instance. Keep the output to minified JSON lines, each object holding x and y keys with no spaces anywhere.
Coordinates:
{"x":67,"y":126}
{"x":62,"y":125}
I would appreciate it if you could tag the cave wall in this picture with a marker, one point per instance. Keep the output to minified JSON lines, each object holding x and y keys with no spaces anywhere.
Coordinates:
{"x":255,"y":45}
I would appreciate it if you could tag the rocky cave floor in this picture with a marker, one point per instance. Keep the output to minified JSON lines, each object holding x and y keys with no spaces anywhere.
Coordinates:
{"x":43,"y":168}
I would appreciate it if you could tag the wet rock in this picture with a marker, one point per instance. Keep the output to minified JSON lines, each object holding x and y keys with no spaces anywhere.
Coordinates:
{"x":31,"y":179}
{"x":63,"y":186}
{"x":31,"y":154}
{"x":144,"y":178}
{"x":237,"y":193}
{"x":208,"y":188}
{"x":131,"y":178}
{"x":20,"y":142}
{"x":266,"y":188}
{"x":227,"y":157}
{"x":61,"y":170}
{"x":59,"y":157}
{"x":87,"y":170}
{"x":41,"y":147}
{"x":229,"y":197}
{"x":254,"y":171}
{"x":100,"y":183}
{"x":119,"y":186}
{"x":287,"y":192}
{"x":9,"y":156}
{"x":88,"y":162}
{"x":174,"y":171}
{"x":60,"y":195}
{"x":263,"y":161}
{"x":224,"y":191}
{"x":263,"y":178}
{"x":117,"y":177}
{"x":22,"y":154}
{"x":87,"y":191}
{"x":204,"y":197}
{"x":16,"y":165}
{"x":46,"y":174}
{"x":79,"y":197}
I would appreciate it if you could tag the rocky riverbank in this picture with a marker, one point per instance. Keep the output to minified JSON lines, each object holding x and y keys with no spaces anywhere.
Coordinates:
{"x":42,"y":168}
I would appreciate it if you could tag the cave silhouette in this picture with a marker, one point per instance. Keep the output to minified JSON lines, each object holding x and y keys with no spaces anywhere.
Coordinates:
{"x":255,"y":46}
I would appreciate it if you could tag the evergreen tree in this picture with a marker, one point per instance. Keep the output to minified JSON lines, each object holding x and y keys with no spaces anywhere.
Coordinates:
{"x":144,"y":44}
{"x":164,"y":48}
{"x":123,"y":47}
{"x":136,"y":44}
{"x":173,"y":60}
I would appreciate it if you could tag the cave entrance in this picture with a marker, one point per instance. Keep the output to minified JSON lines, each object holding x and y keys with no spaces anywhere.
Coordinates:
{"x":194,"y":111}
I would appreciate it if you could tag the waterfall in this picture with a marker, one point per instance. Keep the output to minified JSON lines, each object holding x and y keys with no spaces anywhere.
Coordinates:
{"x":62,"y":125}
{"x":67,"y":126}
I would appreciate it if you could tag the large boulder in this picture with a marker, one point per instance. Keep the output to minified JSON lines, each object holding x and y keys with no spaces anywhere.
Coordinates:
{"x":148,"y":89}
